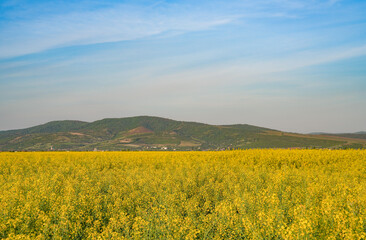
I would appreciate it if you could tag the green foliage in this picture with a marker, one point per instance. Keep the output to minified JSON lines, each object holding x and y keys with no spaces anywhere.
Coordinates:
{"x":119,"y":134}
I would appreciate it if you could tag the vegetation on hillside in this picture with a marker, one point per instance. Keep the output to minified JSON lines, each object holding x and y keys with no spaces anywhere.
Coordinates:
{"x":153,"y":133}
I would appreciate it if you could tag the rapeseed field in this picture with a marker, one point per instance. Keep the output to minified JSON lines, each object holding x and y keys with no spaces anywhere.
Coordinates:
{"x":251,"y":194}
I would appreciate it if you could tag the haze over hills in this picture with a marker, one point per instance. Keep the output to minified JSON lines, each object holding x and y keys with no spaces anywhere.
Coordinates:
{"x":155,"y":133}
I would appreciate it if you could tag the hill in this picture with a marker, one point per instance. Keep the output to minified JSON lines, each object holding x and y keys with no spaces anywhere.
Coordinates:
{"x":155,"y":133}
{"x":357,"y":135}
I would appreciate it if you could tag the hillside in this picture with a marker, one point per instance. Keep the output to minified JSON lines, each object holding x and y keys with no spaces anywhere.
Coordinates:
{"x":155,"y":133}
{"x":357,"y":135}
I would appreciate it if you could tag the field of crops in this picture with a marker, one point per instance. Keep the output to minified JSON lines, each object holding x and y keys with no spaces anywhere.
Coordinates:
{"x":252,"y":194}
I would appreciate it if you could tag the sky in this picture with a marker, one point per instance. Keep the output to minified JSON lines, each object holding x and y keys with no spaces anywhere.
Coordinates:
{"x":291,"y":65}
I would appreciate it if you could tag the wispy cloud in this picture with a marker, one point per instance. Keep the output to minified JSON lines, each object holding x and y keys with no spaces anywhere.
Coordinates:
{"x":114,"y":23}
{"x":32,"y":26}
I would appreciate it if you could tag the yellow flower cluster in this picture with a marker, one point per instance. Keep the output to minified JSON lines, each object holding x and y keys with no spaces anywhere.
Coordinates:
{"x":250,"y":194}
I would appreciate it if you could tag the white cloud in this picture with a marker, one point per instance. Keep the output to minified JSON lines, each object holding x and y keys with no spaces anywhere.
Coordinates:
{"x":122,"y":22}
{"x":39,"y":27}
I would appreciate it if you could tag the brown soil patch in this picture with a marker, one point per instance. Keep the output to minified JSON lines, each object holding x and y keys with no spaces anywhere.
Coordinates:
{"x":271,"y":132}
{"x":15,"y":139}
{"x":127,"y":140}
{"x":188,"y":144}
{"x":139,"y":130}
{"x":77,"y":134}
{"x":132,"y":145}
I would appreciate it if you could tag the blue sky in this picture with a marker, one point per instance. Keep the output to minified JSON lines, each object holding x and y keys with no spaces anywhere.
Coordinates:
{"x":293,"y":65}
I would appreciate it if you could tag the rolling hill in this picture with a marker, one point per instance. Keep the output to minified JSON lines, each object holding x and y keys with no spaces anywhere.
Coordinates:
{"x":357,"y":135}
{"x":155,"y":133}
